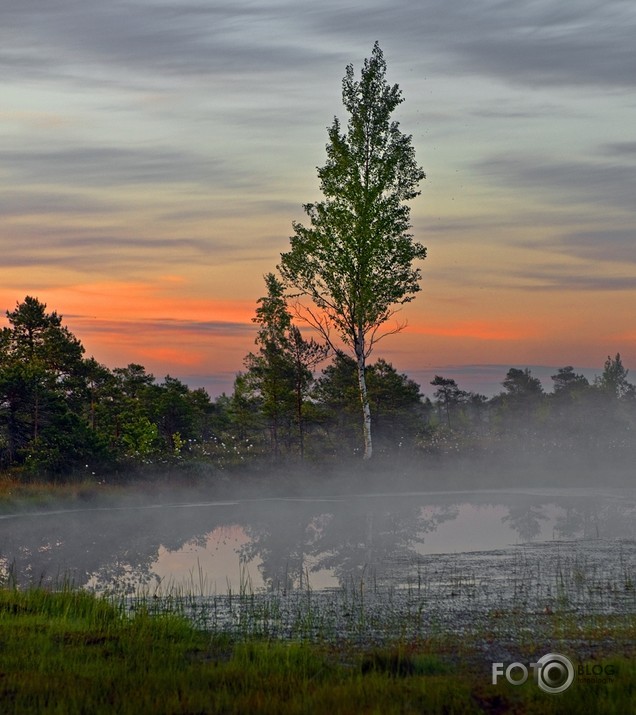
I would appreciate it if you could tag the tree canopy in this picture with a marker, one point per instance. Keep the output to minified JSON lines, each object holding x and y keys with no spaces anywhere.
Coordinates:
{"x":354,"y":260}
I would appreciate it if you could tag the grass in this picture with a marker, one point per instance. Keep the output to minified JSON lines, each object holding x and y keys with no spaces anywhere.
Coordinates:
{"x":72,"y":652}
{"x":17,"y":493}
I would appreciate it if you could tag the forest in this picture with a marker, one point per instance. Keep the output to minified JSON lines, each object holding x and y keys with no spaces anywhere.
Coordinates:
{"x":64,"y":416}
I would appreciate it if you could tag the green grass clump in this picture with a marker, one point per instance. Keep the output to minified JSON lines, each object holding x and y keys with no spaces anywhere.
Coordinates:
{"x":71,"y":652}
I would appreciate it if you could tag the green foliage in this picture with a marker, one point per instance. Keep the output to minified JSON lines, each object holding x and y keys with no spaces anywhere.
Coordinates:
{"x":518,"y":408}
{"x":447,"y":396}
{"x":64,"y":417}
{"x":395,"y":400}
{"x":614,"y":381}
{"x":520,"y":385}
{"x":569,"y":384}
{"x":138,"y":435}
{"x":459,"y":421}
{"x":355,"y":259}
{"x":38,"y":337}
{"x":280,"y":373}
{"x":39,"y":362}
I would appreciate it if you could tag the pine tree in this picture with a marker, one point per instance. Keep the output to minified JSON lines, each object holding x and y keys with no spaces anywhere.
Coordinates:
{"x":281,"y":370}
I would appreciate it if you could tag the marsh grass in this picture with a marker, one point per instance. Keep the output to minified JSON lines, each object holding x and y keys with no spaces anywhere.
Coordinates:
{"x":19,"y":493}
{"x":72,"y":652}
{"x":16,"y":492}
{"x":425,"y":644}
{"x":529,"y":598}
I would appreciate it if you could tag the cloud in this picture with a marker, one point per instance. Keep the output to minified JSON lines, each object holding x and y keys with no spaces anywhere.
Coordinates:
{"x":159,"y":39}
{"x":594,"y":259}
{"x":624,"y":150}
{"x":162,"y":326}
{"x":115,"y":166}
{"x":543,"y":43}
{"x":537,"y":42}
{"x":164,"y":344}
{"x":141,"y":137}
{"x":601,"y":245}
{"x":116,"y":251}
{"x":82,"y":249}
{"x":23,"y":202}
{"x":475,"y":329}
{"x":567,"y":278}
{"x":554,"y":181}
{"x":534,"y":43}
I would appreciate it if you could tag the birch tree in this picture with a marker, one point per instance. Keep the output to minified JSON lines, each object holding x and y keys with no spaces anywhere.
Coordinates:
{"x":354,"y":260}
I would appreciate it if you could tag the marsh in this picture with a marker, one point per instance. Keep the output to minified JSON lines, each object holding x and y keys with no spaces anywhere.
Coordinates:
{"x":446,"y":554}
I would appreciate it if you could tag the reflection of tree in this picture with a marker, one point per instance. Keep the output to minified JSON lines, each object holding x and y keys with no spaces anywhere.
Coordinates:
{"x":281,"y":535}
{"x":367,"y":538}
{"x":352,"y":538}
{"x":355,"y":538}
{"x":580,"y":518}
{"x":579,"y":521}
{"x":363,"y":538}
{"x":525,"y":520}
{"x":593,"y":519}
{"x":110,"y":548}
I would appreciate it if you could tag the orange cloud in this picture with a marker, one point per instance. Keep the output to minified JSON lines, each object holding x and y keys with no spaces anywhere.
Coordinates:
{"x":167,"y":299}
{"x":39,"y":120}
{"x":478,"y":330}
{"x":628,"y":336}
{"x":157,"y":324}
{"x":172,"y":356}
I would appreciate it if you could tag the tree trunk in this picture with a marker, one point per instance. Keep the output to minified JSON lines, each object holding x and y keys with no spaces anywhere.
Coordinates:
{"x":364,"y":399}
{"x":36,"y":414}
{"x":299,"y":417}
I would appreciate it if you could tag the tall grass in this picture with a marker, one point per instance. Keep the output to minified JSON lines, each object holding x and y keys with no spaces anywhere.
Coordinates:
{"x":70,"y":652}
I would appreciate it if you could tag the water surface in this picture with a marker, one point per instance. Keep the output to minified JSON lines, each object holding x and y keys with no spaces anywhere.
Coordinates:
{"x":291,"y":543}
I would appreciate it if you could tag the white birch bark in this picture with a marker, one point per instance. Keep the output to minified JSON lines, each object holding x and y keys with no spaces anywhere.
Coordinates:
{"x":364,"y":399}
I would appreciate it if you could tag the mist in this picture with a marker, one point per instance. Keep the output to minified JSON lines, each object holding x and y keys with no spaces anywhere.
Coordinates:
{"x":316,"y":526}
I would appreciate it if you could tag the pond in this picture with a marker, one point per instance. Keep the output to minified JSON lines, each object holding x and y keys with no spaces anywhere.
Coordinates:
{"x":317,"y":543}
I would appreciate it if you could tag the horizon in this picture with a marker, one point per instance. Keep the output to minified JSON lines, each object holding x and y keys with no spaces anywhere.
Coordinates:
{"x":481,"y":379}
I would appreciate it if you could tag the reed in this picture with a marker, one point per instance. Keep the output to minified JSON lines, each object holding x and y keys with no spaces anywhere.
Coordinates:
{"x":72,"y":652}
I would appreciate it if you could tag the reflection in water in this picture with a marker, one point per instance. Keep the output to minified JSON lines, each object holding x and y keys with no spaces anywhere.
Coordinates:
{"x":609,"y":519}
{"x":361,"y":540}
{"x":526,"y":520}
{"x":286,"y":544}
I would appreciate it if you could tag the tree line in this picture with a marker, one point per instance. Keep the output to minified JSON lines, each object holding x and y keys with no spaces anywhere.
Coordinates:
{"x":64,"y":415}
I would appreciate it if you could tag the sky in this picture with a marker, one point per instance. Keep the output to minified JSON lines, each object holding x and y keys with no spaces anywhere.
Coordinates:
{"x":154,"y":154}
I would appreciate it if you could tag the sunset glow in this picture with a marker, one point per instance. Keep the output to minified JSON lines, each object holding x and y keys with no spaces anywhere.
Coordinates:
{"x":153,"y":163}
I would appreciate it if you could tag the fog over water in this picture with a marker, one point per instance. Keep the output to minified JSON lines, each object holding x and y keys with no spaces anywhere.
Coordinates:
{"x":285,"y":542}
